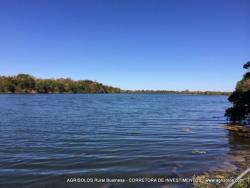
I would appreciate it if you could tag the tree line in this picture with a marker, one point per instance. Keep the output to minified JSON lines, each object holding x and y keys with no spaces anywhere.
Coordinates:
{"x":24,"y":83}
{"x":187,"y":92}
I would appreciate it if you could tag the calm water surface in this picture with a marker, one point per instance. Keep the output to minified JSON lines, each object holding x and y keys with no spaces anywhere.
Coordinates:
{"x":44,"y":136}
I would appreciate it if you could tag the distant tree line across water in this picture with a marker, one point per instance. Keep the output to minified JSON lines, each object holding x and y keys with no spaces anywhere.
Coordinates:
{"x":178,"y":92}
{"x":25,"y":83}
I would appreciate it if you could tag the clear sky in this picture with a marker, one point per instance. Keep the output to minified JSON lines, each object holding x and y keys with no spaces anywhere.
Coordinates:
{"x":132,"y":44}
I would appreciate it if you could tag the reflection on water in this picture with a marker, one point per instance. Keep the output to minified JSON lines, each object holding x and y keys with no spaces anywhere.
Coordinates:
{"x":239,"y":149}
{"x":43,"y":136}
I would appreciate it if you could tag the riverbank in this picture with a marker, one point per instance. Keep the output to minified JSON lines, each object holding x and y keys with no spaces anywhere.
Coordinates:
{"x":236,"y":164}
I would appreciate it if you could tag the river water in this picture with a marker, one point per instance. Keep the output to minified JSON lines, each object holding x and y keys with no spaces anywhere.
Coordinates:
{"x":121,"y":135}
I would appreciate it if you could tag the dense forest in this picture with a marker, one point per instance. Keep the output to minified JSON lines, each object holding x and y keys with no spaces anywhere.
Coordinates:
{"x":24,"y":83}
{"x":240,"y":111}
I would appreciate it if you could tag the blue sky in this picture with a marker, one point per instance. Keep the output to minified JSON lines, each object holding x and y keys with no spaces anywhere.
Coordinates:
{"x":132,"y":44}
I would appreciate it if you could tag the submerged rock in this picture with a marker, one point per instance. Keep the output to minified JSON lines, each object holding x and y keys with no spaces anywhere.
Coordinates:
{"x":239,"y":129}
{"x":188,"y":130}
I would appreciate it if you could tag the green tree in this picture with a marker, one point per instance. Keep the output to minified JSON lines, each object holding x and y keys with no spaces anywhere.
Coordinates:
{"x":6,"y":85}
{"x":24,"y":83}
{"x":240,"y":111}
{"x":44,"y":86}
{"x":246,"y":65}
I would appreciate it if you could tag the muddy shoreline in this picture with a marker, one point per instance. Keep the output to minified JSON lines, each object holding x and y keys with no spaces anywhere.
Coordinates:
{"x":238,"y":162}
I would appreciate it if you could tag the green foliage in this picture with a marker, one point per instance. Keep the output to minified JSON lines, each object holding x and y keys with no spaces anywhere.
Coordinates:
{"x":240,"y":111}
{"x":24,"y":83}
{"x":245,"y":183}
{"x":246,"y":65}
{"x":6,"y":85}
